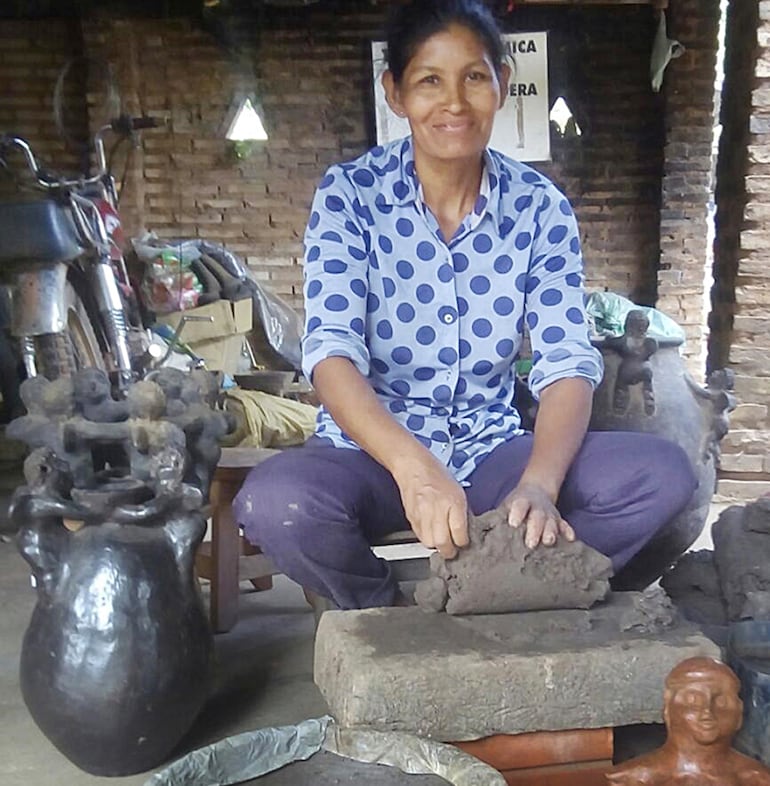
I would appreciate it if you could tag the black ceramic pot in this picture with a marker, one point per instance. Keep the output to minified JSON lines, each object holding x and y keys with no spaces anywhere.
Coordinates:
{"x":115,"y":662}
{"x":659,"y":396}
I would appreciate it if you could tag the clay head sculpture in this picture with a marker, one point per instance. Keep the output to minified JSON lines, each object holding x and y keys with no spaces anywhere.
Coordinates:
{"x":701,"y":703}
{"x":702,"y":712}
{"x":636,"y":323}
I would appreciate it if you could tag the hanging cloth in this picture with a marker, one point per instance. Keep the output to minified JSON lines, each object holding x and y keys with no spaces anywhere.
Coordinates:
{"x":664,"y":50}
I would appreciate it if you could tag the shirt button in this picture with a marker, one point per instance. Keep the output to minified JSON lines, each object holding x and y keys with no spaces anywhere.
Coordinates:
{"x":448,"y":318}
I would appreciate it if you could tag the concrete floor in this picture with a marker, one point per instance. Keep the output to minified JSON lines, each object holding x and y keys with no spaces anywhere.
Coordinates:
{"x":263,"y":678}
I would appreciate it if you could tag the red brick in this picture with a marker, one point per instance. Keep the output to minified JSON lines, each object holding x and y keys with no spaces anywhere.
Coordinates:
{"x":507,"y":752}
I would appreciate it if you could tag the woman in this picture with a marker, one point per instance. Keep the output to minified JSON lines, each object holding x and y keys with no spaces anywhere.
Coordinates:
{"x":424,"y":261}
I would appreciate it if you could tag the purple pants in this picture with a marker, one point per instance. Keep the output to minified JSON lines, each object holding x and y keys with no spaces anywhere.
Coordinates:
{"x":314,"y":510}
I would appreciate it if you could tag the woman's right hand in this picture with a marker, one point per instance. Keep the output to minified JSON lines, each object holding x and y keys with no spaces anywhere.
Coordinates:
{"x":435,"y":504}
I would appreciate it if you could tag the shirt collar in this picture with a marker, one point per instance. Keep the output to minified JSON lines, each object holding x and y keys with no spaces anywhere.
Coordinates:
{"x":400,"y":185}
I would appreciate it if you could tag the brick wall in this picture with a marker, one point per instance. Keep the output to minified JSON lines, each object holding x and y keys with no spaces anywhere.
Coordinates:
{"x":688,"y":173}
{"x":31,"y":57}
{"x":599,"y":61}
{"x":742,"y":295}
{"x":309,"y":72}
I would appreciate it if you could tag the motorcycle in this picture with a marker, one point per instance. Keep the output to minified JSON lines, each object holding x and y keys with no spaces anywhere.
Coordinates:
{"x":65,"y":293}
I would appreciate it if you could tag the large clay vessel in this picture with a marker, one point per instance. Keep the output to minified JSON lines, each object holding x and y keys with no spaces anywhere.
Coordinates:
{"x":647,"y":388}
{"x":115,"y":662}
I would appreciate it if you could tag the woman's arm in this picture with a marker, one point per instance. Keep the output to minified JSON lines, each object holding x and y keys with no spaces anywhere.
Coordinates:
{"x":562,"y":421}
{"x":565,"y":370}
{"x":434,"y":503}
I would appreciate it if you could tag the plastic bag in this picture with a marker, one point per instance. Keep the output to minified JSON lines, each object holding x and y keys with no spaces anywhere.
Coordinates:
{"x":255,"y":753}
{"x":415,"y":755}
{"x":608,"y":312}
{"x":280,"y":323}
{"x":168,"y":283}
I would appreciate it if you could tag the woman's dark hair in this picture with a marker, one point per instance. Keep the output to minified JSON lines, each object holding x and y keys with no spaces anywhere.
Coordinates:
{"x":414,"y":22}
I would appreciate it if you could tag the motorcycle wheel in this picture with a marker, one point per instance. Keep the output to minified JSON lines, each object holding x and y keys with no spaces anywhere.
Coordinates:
{"x":10,"y":374}
{"x":62,"y":354}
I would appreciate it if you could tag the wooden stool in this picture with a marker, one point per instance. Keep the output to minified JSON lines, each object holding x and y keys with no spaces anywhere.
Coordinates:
{"x":227,"y":559}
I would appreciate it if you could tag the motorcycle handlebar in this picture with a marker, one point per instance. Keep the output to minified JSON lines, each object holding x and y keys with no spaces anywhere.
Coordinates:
{"x":124,"y":125}
{"x":8,"y":141}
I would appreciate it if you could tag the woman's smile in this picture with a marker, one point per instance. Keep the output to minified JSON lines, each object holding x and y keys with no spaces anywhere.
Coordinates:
{"x":450,"y":92}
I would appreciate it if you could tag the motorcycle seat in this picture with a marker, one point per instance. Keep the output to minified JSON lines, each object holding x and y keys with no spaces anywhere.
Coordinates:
{"x":41,"y":232}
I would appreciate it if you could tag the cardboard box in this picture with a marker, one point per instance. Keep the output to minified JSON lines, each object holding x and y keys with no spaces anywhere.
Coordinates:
{"x":221,"y":354}
{"x":214,"y":321}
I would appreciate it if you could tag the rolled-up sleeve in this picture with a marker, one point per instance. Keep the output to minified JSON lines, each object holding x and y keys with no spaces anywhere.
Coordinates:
{"x":555,"y":302}
{"x":335,"y":276}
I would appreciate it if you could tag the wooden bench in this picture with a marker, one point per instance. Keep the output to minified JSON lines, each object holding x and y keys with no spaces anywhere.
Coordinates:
{"x":228,"y":559}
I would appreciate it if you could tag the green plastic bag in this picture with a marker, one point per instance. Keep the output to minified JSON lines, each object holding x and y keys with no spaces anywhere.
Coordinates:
{"x":608,"y":312}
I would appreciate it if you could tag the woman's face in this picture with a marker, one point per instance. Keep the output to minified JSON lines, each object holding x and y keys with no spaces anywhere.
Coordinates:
{"x":449,"y":93}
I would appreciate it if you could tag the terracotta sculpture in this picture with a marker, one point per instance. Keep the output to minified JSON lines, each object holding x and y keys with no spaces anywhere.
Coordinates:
{"x":702,"y":712}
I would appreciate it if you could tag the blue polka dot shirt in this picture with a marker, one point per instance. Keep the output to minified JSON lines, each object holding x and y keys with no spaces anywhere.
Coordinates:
{"x":435,"y":325}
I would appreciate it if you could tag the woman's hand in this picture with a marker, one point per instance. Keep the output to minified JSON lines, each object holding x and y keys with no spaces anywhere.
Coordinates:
{"x":562,"y":420}
{"x":532,"y":506}
{"x":434,"y":503}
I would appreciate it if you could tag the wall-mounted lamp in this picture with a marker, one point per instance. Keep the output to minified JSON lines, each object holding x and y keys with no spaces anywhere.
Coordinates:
{"x":562,"y":118}
{"x":244,"y":126}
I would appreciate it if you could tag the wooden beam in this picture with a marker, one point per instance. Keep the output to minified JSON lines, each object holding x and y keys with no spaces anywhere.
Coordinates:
{"x":655,"y":3}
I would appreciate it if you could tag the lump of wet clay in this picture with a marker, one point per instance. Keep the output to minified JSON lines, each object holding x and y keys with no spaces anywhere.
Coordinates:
{"x":497,"y":573}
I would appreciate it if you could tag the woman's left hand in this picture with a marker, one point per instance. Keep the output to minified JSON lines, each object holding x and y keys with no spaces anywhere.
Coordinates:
{"x":531,"y":505}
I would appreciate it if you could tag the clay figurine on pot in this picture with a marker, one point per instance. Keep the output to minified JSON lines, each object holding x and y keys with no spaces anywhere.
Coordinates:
{"x":719,"y":386}
{"x":171,"y":495}
{"x":635,"y":348}
{"x":49,"y":405}
{"x":188,"y":406}
{"x":702,"y":712}
{"x":43,"y":503}
{"x":93,"y":394}
{"x":150,"y":432}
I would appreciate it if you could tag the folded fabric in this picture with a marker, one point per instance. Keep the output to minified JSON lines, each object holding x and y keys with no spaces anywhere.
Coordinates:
{"x":273,"y":422}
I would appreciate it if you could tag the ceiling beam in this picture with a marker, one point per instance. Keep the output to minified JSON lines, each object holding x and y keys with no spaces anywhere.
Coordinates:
{"x":655,"y":3}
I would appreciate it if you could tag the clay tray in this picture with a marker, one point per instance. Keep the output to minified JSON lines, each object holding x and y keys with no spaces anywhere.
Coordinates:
{"x":268,"y":381}
{"x":328,"y":769}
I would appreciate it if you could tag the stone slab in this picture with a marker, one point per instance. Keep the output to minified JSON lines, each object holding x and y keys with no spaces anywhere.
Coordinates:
{"x":463,"y":678}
